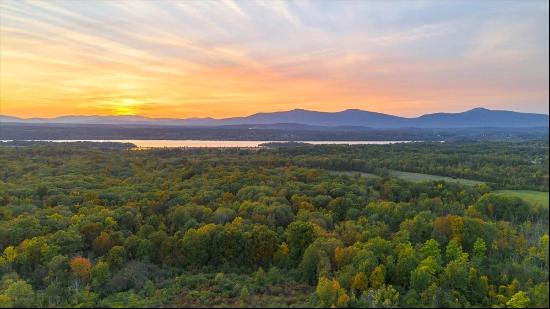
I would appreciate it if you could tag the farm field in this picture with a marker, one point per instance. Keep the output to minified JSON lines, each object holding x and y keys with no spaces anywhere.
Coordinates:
{"x":419,"y":177}
{"x":538,"y":198}
{"x":353,"y":173}
{"x":412,"y":177}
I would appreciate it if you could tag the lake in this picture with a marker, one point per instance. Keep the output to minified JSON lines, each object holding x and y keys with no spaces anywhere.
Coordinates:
{"x":218,"y":143}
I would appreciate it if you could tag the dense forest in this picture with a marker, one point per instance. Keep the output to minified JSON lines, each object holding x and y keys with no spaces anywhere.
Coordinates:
{"x":109,"y":227}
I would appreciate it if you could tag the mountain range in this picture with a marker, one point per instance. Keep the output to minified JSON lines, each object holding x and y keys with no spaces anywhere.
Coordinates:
{"x":477,"y":117}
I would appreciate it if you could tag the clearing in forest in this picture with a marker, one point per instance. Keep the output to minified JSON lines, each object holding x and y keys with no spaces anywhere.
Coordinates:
{"x":538,"y":198}
{"x":419,"y":177}
{"x":413,"y":177}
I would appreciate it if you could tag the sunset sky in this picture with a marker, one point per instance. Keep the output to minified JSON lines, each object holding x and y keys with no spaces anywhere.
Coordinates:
{"x":223,"y":58}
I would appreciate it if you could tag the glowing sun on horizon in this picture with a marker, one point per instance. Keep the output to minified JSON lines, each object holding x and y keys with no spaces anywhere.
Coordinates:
{"x":125,"y":107}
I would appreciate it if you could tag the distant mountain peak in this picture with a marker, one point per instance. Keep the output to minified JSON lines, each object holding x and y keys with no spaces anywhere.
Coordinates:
{"x":300,"y":110}
{"x":479,"y":109}
{"x":354,"y":110}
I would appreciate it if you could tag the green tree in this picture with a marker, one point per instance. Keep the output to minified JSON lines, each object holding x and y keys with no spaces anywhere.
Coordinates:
{"x":116,"y":256}
{"x":479,"y":251}
{"x":41,"y":192}
{"x":244,"y":296}
{"x":518,"y":300}
{"x":384,"y":297}
{"x":100,"y":275}
{"x":424,"y":275}
{"x":58,"y":269}
{"x":453,"y":250}
{"x":18,"y":293}
{"x":327,"y":292}
{"x":299,"y":236}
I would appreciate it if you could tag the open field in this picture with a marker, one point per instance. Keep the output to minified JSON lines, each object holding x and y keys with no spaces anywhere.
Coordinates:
{"x":413,"y":177}
{"x":418,"y":177}
{"x":534,"y":197}
{"x":353,"y":173}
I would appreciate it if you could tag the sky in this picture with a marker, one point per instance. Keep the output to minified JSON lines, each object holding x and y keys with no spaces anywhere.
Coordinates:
{"x":232,"y":58}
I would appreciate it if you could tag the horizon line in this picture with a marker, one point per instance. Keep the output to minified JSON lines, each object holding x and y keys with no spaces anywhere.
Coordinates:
{"x":279,"y":111}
